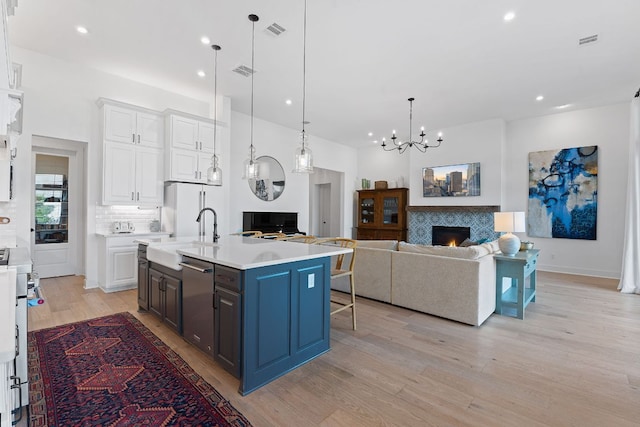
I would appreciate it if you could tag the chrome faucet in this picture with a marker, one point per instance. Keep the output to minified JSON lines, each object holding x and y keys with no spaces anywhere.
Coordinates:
{"x":215,"y":222}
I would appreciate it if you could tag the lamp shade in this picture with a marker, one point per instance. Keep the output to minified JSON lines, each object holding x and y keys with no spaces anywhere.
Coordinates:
{"x":509,"y":221}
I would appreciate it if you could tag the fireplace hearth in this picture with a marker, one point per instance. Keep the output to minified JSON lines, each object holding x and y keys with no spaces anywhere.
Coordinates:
{"x":449,"y":236}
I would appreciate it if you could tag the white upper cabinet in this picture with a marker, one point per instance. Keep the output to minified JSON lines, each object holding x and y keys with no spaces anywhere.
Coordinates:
{"x":133,"y":127}
{"x":190,"y":134}
{"x":133,"y":155}
{"x":190,"y":147}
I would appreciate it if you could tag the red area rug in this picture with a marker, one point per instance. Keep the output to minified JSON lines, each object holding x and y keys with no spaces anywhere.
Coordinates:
{"x":113,"y":371}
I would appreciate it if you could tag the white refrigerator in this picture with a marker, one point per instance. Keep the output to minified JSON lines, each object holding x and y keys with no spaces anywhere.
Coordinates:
{"x":183,"y":202}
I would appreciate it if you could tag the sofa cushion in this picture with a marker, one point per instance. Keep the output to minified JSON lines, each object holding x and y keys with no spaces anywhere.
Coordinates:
{"x":471,"y":252}
{"x":379,"y":244}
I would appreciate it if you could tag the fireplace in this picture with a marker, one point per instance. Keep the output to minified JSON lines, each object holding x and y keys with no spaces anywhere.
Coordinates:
{"x":449,"y":236}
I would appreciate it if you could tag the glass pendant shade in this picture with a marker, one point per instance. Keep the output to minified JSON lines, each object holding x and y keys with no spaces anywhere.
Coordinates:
{"x":214,"y":173}
{"x":303,"y":162}
{"x":251,"y":166}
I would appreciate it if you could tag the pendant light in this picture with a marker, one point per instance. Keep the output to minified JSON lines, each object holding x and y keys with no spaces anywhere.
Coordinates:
{"x":303,"y":162}
{"x":251,"y":166}
{"x":214,"y":173}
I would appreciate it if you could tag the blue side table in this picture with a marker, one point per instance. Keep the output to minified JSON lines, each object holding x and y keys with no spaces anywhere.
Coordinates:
{"x":517,"y":268}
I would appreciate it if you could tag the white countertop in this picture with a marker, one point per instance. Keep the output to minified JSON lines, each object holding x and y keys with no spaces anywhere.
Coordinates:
{"x":134,"y":234}
{"x":245,"y":253}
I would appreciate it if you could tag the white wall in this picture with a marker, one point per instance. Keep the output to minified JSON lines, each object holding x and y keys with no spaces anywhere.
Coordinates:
{"x":606,"y":127}
{"x":60,"y":102}
{"x":280,"y":143}
{"x":380,"y":165}
{"x":502,"y":150}
{"x":474,"y":142}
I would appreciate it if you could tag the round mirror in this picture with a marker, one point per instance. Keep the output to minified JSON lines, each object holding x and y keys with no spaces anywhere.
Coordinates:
{"x":270,"y":185}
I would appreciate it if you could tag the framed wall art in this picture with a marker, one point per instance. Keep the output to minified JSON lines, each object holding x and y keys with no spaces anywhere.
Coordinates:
{"x":563,"y":193}
{"x":451,"y":181}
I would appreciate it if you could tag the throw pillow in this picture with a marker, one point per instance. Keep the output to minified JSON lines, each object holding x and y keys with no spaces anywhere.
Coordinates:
{"x":467,"y":242}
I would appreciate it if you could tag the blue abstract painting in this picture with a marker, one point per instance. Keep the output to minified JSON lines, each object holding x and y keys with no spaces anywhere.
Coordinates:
{"x":563,"y":193}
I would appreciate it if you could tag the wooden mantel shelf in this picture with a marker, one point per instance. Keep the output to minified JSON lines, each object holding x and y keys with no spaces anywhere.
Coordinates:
{"x":465,"y":208}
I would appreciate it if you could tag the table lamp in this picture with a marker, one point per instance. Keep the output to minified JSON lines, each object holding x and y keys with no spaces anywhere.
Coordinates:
{"x":509,"y":222}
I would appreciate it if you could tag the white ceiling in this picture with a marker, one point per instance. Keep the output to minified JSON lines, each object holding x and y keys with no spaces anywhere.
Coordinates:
{"x":458,"y":58}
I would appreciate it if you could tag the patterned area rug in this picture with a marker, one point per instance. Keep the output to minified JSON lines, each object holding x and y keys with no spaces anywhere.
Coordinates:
{"x":113,"y":371}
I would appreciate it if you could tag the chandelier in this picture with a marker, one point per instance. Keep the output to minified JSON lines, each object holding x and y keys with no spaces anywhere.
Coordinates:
{"x":421,"y":145}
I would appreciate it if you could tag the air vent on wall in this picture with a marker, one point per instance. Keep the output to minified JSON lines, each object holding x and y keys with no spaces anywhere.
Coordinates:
{"x":588,"y":40}
{"x":275,"y":29}
{"x":243,"y":70}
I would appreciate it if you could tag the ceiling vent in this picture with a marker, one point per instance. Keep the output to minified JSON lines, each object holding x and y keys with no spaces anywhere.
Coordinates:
{"x":588,"y":40}
{"x":275,"y":29}
{"x":243,"y":70}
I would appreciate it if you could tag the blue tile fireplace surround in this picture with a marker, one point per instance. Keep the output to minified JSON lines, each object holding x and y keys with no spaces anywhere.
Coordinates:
{"x":423,"y":218}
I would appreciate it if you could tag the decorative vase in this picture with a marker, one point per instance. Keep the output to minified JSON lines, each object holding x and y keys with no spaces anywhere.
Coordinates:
{"x":509,"y":244}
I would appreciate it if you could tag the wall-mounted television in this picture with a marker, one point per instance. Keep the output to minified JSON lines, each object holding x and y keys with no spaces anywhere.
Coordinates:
{"x":451,"y":181}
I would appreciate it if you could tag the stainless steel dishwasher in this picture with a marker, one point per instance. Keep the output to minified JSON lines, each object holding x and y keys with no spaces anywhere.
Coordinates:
{"x":197,"y":303}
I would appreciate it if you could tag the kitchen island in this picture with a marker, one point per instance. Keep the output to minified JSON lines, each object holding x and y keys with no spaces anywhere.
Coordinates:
{"x":270,"y":301}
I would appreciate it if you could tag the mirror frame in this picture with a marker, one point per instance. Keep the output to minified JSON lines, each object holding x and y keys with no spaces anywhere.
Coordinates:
{"x":268,"y":189}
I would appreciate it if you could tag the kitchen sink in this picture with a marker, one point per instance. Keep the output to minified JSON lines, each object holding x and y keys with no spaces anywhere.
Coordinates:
{"x":166,"y":253}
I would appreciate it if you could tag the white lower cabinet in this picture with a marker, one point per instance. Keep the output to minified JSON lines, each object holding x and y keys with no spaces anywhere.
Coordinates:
{"x":118,"y":265}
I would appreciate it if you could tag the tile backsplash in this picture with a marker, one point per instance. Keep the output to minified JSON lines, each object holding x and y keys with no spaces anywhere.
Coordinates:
{"x":141,"y":218}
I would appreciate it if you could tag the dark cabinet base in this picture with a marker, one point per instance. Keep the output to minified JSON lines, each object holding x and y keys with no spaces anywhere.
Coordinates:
{"x":165,"y":295}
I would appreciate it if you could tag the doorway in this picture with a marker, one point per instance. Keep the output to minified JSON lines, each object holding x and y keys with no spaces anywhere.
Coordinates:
{"x":57,"y":219}
{"x":326,"y":209}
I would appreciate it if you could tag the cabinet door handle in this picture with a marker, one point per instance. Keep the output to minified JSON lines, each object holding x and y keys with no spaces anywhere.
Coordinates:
{"x":132,"y":196}
{"x":198,"y":269}
{"x":17,"y":340}
{"x":196,"y":145}
{"x":138,"y":138}
{"x":196,"y":174}
{"x":214,"y":301}
{"x":200,"y":145}
{"x":133,"y":138}
{"x":199,"y":174}
{"x":138,"y":195}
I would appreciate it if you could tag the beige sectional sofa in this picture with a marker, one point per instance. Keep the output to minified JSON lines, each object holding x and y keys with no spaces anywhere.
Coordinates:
{"x":451,"y":282}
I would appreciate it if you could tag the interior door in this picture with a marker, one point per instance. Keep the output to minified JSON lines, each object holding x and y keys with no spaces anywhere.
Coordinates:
{"x":324,"y":210}
{"x":55,"y":240}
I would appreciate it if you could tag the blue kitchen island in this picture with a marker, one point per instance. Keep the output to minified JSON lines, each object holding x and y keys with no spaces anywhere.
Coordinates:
{"x":271,"y":302}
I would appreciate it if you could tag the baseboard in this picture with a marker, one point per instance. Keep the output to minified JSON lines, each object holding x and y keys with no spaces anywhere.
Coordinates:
{"x":580,"y":272}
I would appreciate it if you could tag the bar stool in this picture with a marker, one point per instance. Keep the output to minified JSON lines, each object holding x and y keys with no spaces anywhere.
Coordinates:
{"x":248,"y":233}
{"x":339,"y":271}
{"x":270,"y":235}
{"x":300,"y":238}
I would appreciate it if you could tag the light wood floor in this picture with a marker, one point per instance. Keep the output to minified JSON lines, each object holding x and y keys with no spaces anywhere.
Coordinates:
{"x":573,"y":361}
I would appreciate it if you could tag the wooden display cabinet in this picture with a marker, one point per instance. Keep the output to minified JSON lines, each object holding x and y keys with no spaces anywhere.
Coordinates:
{"x":382,"y":214}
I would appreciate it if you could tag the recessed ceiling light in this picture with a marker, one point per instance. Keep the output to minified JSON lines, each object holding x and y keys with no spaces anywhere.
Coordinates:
{"x":370,"y":134}
{"x":539,"y":98}
{"x":509,"y":16}
{"x":205,"y":40}
{"x":201,"y":73}
{"x":81,"y":29}
{"x":288,"y":102}
{"x":562,"y":107}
